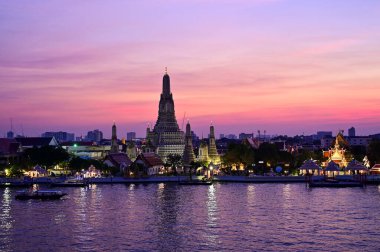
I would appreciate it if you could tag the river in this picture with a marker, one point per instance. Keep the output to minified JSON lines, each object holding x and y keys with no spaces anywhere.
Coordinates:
{"x":171,"y":217}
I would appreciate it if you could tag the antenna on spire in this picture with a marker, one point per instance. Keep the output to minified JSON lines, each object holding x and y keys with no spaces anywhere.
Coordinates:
{"x":166,"y":70}
{"x":183,"y":120}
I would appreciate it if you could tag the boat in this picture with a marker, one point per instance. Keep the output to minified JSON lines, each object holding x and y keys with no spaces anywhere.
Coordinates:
{"x":196,"y":182}
{"x":71,"y":183}
{"x":335,"y":183}
{"x":16,"y":184}
{"x":39,"y":194}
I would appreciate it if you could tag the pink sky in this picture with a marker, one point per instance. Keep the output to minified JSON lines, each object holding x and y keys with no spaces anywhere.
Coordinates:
{"x":284,"y":66}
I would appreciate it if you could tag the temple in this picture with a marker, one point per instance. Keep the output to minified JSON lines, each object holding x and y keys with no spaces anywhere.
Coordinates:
{"x":188,"y":153}
{"x":114,"y":143}
{"x":338,"y":153}
{"x":166,"y":138}
{"x":209,"y":153}
{"x":212,"y":151}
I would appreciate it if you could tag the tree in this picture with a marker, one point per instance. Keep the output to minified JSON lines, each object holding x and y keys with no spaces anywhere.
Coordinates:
{"x":239,"y":154}
{"x":193,"y":167}
{"x":174,"y":161}
{"x":373,"y":152}
{"x":358,"y":152}
{"x":47,"y":156}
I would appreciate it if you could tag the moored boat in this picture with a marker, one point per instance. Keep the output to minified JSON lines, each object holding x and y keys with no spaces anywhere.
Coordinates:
{"x":71,"y":183}
{"x":16,"y":184}
{"x":40,"y":194}
{"x":195,"y":182}
{"x":335,"y":183}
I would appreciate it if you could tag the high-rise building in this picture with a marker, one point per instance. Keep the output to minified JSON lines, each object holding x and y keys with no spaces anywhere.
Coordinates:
{"x":166,"y":137}
{"x":351,"y":132}
{"x":188,"y":154}
{"x":94,"y":136}
{"x":60,"y":136}
{"x":131,"y":136}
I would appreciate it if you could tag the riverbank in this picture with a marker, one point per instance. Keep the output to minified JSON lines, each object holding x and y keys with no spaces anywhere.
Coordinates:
{"x":370,"y":179}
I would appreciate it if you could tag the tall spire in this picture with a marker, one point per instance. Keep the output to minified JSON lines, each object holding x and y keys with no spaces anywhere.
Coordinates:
{"x":212,"y":151}
{"x":166,"y":84}
{"x":188,"y":153}
{"x":114,"y":144}
{"x":166,"y":136}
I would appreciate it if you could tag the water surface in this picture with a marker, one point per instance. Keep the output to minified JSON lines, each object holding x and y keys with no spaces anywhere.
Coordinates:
{"x":170,"y":217}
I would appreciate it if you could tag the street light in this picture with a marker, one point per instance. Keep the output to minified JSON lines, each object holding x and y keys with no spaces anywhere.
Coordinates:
{"x":210,"y":167}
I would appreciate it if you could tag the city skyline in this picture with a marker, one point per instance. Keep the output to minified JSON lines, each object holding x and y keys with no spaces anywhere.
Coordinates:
{"x":287,"y":67}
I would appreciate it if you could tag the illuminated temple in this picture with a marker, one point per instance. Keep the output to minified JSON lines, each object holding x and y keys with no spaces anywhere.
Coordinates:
{"x":209,"y":153}
{"x":338,"y":154}
{"x":166,"y":137}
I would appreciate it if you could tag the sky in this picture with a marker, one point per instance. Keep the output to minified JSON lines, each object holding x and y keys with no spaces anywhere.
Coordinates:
{"x":284,"y":66}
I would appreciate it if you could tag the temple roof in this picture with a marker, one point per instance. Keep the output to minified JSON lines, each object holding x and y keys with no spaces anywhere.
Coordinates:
{"x":118,"y":159}
{"x":355,"y":165}
{"x":36,"y":141}
{"x":332,"y":167}
{"x":309,"y":165}
{"x":150,"y":159}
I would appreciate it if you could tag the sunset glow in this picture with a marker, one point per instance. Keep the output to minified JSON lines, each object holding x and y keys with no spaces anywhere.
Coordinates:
{"x":284,"y":66}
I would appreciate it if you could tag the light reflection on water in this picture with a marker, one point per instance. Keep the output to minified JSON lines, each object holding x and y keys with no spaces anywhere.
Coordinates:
{"x":5,"y":220}
{"x":169,"y":217}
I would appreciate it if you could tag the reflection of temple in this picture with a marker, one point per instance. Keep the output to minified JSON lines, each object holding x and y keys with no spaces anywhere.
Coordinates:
{"x":209,"y":153}
{"x":338,"y":153}
{"x":166,"y":137}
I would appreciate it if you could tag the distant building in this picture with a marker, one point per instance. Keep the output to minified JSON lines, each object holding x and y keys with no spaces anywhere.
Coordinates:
{"x":118,"y":160}
{"x":351,"y":132}
{"x":9,"y":150}
{"x":352,"y":141}
{"x":10,"y":134}
{"x":243,"y":136}
{"x":375,"y":136}
{"x":94,"y":136}
{"x":359,"y":141}
{"x":86,"y":150}
{"x":131,"y":136}
{"x":60,"y":136}
{"x":147,"y":164}
{"x":30,"y":142}
{"x":221,"y":136}
{"x":324,"y":134}
{"x":231,"y":136}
